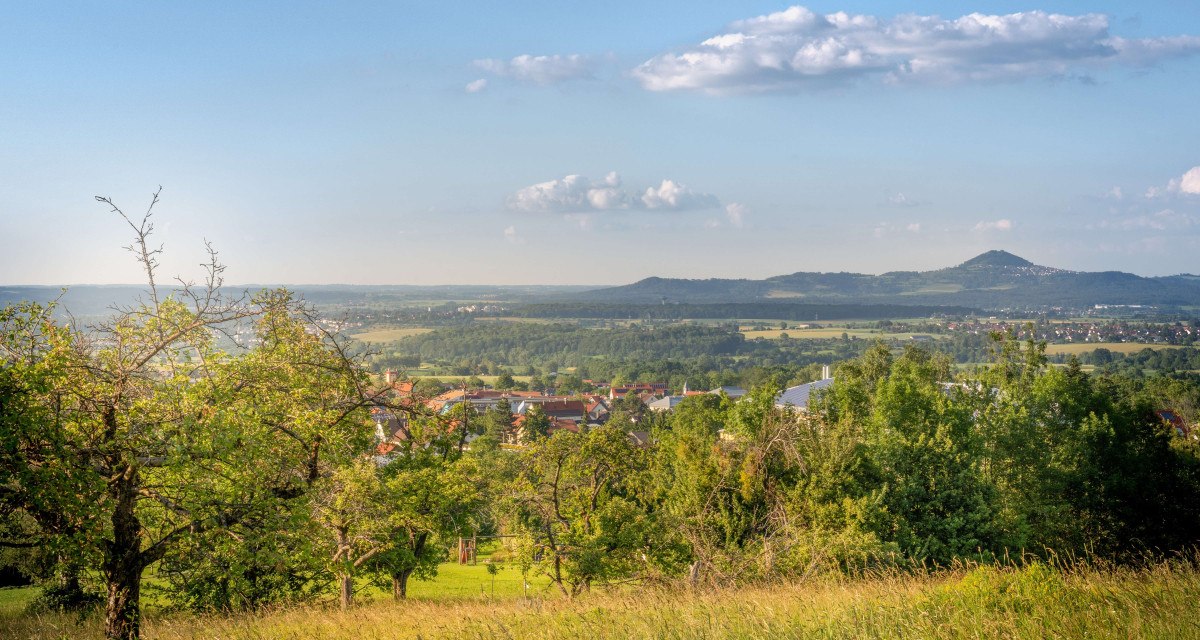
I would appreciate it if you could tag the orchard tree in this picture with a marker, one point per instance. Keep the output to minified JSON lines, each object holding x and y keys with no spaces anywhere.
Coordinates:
{"x":145,"y":433}
{"x":428,"y":501}
{"x":351,"y":507}
{"x":576,"y":502}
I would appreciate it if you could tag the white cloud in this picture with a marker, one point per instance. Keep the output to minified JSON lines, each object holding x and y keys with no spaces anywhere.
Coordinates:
{"x":1115,"y":193}
{"x":1188,"y":183}
{"x":913,"y":227}
{"x":510,"y":234}
{"x":578,"y":194}
{"x":540,"y":70}
{"x":901,"y":200}
{"x":998,"y":225}
{"x":797,"y":47}
{"x":476,"y":86}
{"x":736,"y":213}
{"x":673,"y":196}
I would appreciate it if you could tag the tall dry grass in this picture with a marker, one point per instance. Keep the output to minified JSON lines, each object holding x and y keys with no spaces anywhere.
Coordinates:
{"x":1034,"y":601}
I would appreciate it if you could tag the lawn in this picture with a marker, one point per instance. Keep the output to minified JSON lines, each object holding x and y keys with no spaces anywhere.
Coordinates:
{"x":13,"y":600}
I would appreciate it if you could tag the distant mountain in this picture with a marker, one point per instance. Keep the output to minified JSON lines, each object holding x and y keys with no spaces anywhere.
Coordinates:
{"x":991,"y":280}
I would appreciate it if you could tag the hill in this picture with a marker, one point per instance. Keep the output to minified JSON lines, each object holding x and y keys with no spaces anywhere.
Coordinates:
{"x":992,"y":280}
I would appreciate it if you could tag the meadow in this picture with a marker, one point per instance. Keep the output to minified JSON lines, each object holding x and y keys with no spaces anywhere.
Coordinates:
{"x":389,"y":334}
{"x":1036,"y":601}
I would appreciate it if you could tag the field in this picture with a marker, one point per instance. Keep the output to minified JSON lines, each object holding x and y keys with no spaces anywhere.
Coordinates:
{"x":822,"y":333}
{"x":389,"y":334}
{"x":1115,"y":347}
{"x":1034,"y":602}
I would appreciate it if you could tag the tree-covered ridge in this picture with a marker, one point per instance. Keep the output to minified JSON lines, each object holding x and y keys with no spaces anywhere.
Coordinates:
{"x":994,"y":280}
{"x":761,"y":311}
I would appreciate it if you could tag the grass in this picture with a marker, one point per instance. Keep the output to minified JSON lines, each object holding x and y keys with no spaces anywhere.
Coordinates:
{"x":1116,"y":347}
{"x":14,"y":600}
{"x":1034,"y":602}
{"x":390,"y":335}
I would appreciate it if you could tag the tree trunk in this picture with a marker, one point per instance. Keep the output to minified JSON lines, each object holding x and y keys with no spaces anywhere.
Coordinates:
{"x":347,"y":588}
{"x":400,"y":584}
{"x":123,"y":562}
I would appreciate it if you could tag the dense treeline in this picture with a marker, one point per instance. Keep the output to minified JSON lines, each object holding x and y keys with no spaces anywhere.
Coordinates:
{"x":1166,"y":360}
{"x":519,"y":342}
{"x":760,"y":311}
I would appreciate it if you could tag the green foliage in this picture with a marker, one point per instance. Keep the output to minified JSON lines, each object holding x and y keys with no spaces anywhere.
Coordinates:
{"x":576,"y":503}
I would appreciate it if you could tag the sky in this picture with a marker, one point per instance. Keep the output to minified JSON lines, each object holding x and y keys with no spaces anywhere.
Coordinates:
{"x":596,"y":143}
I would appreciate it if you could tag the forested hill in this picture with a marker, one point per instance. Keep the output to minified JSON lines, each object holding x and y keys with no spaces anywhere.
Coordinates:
{"x":993,"y":280}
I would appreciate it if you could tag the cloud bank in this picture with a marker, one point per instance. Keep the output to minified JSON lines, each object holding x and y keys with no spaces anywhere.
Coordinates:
{"x":578,"y":194}
{"x":796,"y":47}
{"x":540,"y":70}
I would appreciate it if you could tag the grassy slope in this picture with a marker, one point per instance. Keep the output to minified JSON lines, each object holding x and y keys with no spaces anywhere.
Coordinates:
{"x":984,"y":603}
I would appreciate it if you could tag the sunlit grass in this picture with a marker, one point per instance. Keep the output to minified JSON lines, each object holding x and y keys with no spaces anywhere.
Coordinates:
{"x":1034,"y":602}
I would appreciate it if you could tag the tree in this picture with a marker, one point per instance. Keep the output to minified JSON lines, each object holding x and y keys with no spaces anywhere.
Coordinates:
{"x":504,"y":381}
{"x":351,"y":506}
{"x":576,"y":503}
{"x":497,"y":427}
{"x":428,"y":501}
{"x":161,"y":435}
{"x":536,"y":425}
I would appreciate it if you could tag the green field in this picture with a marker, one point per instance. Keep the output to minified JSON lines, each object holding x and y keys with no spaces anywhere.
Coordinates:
{"x":823,"y":333}
{"x":1116,"y":347}
{"x":389,"y":334}
{"x":1034,"y":602}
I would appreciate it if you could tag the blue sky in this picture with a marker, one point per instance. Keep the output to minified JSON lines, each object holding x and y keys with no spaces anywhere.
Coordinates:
{"x":593,"y":143}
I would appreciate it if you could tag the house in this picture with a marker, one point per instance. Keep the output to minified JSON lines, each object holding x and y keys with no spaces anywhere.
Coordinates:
{"x":799,"y":396}
{"x":733,"y":392}
{"x":640,"y":438}
{"x":665,"y":403}
{"x":653,"y":388}
{"x":1175,"y":421}
{"x":573,"y":410}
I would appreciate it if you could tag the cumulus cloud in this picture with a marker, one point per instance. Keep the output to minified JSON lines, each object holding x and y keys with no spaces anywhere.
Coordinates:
{"x":1188,"y":183}
{"x":578,"y":194}
{"x":673,"y":196}
{"x":510,"y":234}
{"x":540,"y":70}
{"x":476,"y":86}
{"x":797,"y":47}
{"x":1003,"y":224}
